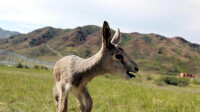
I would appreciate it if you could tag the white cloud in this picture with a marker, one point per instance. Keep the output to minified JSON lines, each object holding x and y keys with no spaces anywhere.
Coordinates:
{"x":169,"y":18}
{"x":28,"y":26}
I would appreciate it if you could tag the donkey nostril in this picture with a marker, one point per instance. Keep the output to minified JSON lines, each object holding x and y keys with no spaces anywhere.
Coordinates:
{"x":137,"y":69}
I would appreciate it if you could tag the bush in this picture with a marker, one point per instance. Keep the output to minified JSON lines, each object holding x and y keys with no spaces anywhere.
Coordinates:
{"x":195,"y":81}
{"x":149,"y":78}
{"x":183,"y":81}
{"x":19,"y":65}
{"x":40,"y":67}
{"x":172,"y":81}
{"x":25,"y":66}
{"x":36,"y":67}
{"x":43,"y":67}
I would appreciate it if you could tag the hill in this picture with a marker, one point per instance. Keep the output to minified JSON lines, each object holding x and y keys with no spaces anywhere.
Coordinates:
{"x":6,"y":33}
{"x":153,"y":53}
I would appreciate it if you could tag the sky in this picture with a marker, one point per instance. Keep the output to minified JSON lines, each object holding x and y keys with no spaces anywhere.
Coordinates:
{"x":169,"y":18}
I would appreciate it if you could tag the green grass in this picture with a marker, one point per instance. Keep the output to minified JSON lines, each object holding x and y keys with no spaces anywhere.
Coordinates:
{"x":30,"y":90}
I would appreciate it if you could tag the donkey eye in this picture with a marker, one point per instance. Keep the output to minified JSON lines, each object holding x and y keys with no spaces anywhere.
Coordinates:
{"x":119,"y":56}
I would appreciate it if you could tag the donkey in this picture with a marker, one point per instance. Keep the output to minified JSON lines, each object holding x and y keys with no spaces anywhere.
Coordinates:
{"x":72,"y":73}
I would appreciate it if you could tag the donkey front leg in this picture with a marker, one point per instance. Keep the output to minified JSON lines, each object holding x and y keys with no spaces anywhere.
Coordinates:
{"x":88,"y":100}
{"x":64,"y":90}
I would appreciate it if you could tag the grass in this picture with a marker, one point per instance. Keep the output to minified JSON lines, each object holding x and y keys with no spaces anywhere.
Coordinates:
{"x":30,"y":90}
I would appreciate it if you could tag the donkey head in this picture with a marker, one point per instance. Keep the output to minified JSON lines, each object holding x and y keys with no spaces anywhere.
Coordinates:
{"x":116,"y":60}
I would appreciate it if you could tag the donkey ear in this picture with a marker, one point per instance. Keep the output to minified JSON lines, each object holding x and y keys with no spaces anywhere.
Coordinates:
{"x":116,"y":37}
{"x":106,"y":32}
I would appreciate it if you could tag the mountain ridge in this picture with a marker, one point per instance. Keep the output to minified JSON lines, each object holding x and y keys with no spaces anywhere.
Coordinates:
{"x":7,"y":33}
{"x":154,"y":53}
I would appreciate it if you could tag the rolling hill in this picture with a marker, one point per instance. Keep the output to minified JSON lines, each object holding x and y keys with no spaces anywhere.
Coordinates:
{"x":153,"y":53}
{"x":6,"y":33}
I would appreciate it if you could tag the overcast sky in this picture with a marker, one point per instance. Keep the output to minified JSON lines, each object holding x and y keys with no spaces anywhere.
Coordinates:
{"x":165,"y":17}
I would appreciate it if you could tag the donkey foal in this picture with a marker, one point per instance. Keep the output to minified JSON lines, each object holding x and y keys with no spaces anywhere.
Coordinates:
{"x":72,"y":73}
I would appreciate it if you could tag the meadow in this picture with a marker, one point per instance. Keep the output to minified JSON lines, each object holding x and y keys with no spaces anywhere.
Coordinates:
{"x":30,"y":90}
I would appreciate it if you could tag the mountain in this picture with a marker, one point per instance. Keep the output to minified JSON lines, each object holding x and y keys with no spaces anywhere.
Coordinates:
{"x":153,"y":53}
{"x":6,"y":33}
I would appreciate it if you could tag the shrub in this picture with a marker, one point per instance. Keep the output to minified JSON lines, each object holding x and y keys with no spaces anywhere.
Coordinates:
{"x":183,"y":81}
{"x":43,"y":67}
{"x":40,"y":67}
{"x":25,"y":66}
{"x":36,"y":67}
{"x":195,"y":81}
{"x":149,"y":78}
{"x":19,"y":65}
{"x":172,"y":81}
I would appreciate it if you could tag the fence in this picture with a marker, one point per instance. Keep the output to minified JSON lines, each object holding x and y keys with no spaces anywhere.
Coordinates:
{"x":9,"y":58}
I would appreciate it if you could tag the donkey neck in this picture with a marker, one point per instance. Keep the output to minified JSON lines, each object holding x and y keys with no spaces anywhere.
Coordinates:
{"x":93,"y":66}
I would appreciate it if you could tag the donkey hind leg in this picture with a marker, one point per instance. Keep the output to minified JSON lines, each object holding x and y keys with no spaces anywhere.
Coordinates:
{"x":88,"y":100}
{"x":81,"y":105}
{"x":56,"y":96}
{"x":63,"y":97}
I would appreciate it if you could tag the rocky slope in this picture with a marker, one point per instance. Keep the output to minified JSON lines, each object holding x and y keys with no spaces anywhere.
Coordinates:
{"x":153,"y":53}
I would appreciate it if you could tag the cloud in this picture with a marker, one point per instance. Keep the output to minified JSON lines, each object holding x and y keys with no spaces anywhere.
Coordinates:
{"x":168,"y":18}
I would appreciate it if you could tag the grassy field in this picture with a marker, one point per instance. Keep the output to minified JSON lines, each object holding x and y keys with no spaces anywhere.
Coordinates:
{"x":30,"y":90}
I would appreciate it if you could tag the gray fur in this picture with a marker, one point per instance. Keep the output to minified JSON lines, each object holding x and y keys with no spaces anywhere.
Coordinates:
{"x":72,"y":73}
